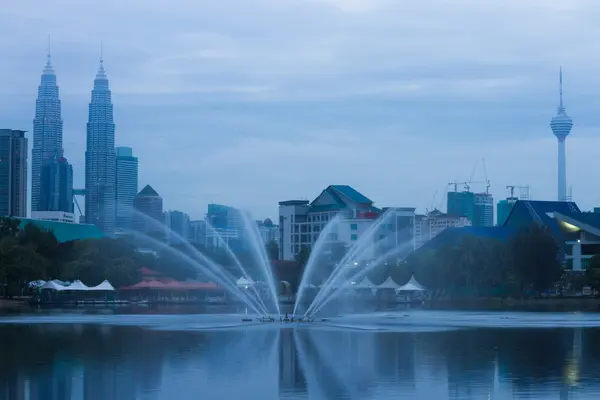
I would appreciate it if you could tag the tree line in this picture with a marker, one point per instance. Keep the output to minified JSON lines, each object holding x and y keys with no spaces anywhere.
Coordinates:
{"x":528,"y":263}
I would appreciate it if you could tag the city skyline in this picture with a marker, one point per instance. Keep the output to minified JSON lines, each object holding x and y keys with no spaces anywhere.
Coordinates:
{"x":323,"y":112}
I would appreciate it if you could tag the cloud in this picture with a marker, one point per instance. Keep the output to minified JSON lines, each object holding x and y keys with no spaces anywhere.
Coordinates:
{"x":253,"y":102}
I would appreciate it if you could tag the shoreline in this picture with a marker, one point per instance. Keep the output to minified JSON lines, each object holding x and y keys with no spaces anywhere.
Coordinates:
{"x":569,"y":304}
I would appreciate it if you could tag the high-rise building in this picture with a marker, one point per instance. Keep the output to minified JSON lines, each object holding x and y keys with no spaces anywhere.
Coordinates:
{"x":148,"y":215}
{"x":13,"y":173}
{"x":178,"y":224}
{"x":561,"y":126}
{"x":461,"y":204}
{"x":100,"y":163}
{"x":56,"y":181}
{"x":197,"y":232}
{"x":126,"y":187}
{"x":484,"y":210}
{"x":504,"y":208}
{"x":476,"y":207}
{"x":47,"y":131}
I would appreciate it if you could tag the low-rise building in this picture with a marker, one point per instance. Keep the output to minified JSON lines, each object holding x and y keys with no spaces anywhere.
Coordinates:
{"x":269,"y":232}
{"x":433,"y":223}
{"x":57,"y":216}
{"x":301,"y":222}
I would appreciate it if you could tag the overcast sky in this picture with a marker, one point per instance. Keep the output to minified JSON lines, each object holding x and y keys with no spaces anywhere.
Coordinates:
{"x":250,"y":102}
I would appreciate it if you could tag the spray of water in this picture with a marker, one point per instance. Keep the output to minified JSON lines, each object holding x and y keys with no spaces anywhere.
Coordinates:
{"x":402,"y":249}
{"x":314,"y":261}
{"x":215,"y":274}
{"x":204,"y":264}
{"x":366,"y":243}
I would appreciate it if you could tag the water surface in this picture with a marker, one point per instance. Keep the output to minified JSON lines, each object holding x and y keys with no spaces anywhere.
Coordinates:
{"x":392,"y":355}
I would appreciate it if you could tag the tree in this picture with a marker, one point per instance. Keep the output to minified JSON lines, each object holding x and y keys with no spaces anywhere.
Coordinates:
{"x":272,"y":250}
{"x":592,"y":272}
{"x":19,"y":264}
{"x":535,"y":257}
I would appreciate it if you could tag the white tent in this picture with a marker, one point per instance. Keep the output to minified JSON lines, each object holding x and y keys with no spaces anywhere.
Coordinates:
{"x":104,"y":286}
{"x":244,"y":282}
{"x":411,"y":285}
{"x":77,"y":285}
{"x":364,"y":284}
{"x":388,"y":284}
{"x":51,"y":285}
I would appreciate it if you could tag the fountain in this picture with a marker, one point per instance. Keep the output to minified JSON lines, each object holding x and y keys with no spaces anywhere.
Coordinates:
{"x":371,"y":250}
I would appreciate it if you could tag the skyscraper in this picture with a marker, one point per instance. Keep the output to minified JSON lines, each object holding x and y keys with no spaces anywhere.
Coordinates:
{"x":13,"y":173}
{"x":56,"y":192}
{"x":178,"y":225}
{"x":561,"y":126}
{"x":126,"y":186}
{"x":47,"y":130}
{"x":100,"y":164}
{"x":148,"y":211}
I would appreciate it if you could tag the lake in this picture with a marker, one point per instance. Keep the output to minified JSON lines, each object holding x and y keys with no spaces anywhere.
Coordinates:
{"x":393,"y":355}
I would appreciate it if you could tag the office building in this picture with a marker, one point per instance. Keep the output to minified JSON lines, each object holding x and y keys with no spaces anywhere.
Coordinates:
{"x":178,"y":224}
{"x":483,"y":214}
{"x":13,"y":173}
{"x":197,"y":232}
{"x":126,"y":187}
{"x":56,"y":189}
{"x":148,"y":215}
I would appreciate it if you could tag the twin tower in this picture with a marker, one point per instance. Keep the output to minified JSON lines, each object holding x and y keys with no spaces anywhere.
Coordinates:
{"x":52,"y":175}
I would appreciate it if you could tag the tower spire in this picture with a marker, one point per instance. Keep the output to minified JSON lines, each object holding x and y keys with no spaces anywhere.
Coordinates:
{"x":48,"y":55}
{"x":101,"y":71}
{"x":560,"y":87}
{"x":48,"y":69}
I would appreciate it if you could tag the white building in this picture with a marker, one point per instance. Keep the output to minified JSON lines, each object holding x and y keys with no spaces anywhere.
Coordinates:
{"x":177,"y":224}
{"x":269,"y":232}
{"x":429,"y":226}
{"x":57,"y":216}
{"x":197,"y":232}
{"x":301,"y":222}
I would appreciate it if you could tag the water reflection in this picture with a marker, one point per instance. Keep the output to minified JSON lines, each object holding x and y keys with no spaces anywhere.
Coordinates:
{"x":115,"y":362}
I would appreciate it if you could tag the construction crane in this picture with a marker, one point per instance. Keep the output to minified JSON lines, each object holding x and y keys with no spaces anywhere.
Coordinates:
{"x":487,"y":181}
{"x":78,"y":192}
{"x":523,"y":188}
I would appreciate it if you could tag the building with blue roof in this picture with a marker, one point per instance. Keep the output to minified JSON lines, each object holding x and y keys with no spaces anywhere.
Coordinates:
{"x":577,"y":233}
{"x":301,"y":222}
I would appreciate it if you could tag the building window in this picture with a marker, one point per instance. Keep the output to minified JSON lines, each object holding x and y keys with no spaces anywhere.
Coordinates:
{"x":353,"y":236}
{"x":354,"y":227}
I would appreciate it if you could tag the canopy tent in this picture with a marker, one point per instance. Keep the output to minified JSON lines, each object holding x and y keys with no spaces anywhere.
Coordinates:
{"x":51,"y":285}
{"x":244,"y":282}
{"x":364,"y":284}
{"x":411,"y":285}
{"x":77,"y":285}
{"x":388,"y":284}
{"x":104,"y":286}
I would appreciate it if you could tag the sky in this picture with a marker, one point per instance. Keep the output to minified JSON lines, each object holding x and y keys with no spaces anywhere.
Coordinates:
{"x":251,"y":102}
